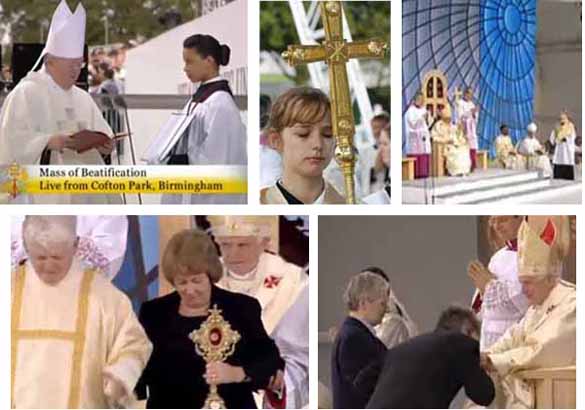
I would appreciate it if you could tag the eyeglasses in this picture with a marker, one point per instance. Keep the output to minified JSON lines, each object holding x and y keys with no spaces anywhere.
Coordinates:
{"x":73,"y":63}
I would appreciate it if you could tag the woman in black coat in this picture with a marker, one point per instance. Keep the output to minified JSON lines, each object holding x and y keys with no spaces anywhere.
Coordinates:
{"x":176,"y":376}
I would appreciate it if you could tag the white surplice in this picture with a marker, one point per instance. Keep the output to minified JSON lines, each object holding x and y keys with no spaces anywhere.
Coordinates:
{"x":465,"y":115}
{"x":216,"y":136}
{"x":417,"y":131}
{"x":65,"y":337}
{"x":37,"y":109}
{"x":280,"y":288}
{"x":102,"y":242}
{"x":504,"y":304}
{"x":564,"y":151}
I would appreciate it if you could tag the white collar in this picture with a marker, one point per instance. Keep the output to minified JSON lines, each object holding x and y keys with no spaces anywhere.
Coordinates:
{"x":245,"y":277}
{"x":212,"y":80}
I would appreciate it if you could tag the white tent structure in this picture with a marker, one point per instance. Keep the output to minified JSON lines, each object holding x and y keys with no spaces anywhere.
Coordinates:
{"x":156,"y":67}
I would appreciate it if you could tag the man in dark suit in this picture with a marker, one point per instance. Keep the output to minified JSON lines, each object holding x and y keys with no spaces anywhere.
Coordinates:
{"x":428,"y":371}
{"x":356,"y":346}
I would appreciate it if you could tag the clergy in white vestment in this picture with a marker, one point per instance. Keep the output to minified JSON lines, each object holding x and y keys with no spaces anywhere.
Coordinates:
{"x":418,"y":136}
{"x":76,"y":342}
{"x":546,"y":336}
{"x":562,"y":138}
{"x":216,"y":134}
{"x":505,"y":151}
{"x":467,"y":116}
{"x":532,"y":152}
{"x":453,"y":143}
{"x":499,"y":300}
{"x":277,"y":285}
{"x":101,"y":246}
{"x":45,"y":110}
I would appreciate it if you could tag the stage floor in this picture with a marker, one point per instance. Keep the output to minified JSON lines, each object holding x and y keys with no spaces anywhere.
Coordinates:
{"x":493,"y":185}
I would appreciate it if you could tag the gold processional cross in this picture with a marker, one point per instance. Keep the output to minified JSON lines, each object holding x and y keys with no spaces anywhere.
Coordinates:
{"x":336,"y":52}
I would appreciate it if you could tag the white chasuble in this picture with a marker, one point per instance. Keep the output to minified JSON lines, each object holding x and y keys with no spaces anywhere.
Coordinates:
{"x":38,"y":109}
{"x":65,"y":337}
{"x":282,"y":290}
{"x":545,"y":338}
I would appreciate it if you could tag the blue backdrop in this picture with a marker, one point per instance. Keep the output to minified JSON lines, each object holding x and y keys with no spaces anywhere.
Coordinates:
{"x":488,"y":45}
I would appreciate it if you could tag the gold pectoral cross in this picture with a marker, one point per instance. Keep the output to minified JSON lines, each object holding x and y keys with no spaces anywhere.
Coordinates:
{"x":336,"y":52}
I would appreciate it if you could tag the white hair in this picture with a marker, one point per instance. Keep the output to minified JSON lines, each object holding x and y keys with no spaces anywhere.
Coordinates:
{"x":365,"y":286}
{"x":49,"y":231}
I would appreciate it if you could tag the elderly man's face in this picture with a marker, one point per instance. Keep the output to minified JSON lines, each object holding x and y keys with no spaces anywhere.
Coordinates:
{"x":65,"y":71}
{"x":537,"y":290}
{"x":241,"y":253}
{"x":52,"y":264}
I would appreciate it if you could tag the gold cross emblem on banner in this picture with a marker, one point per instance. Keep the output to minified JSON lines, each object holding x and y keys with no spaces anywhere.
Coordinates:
{"x":335,"y":52}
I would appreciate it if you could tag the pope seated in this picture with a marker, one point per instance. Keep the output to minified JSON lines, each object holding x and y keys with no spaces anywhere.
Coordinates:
{"x":546,"y":336}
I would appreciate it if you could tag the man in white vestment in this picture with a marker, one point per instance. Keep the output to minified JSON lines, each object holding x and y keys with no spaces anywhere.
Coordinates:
{"x":505,"y":151}
{"x":102,"y":242}
{"x":418,"y":136}
{"x":454,"y":146}
{"x":533,"y":153}
{"x":546,"y":336}
{"x":76,"y":343}
{"x":562,"y":138}
{"x":467,"y":116}
{"x":499,"y":300}
{"x":45,"y":110}
{"x":276,"y":284}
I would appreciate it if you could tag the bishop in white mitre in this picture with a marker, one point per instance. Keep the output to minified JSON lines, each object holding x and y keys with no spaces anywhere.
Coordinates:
{"x":546,"y":336}
{"x":46,"y":108}
{"x":278,"y":285}
{"x":101,"y":246}
{"x":76,"y":343}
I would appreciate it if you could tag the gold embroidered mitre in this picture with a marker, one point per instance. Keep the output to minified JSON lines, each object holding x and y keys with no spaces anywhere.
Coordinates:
{"x":543,"y":243}
{"x":243,"y":225}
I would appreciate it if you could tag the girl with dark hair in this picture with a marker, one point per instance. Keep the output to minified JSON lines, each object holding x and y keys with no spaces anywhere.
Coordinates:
{"x":216,"y":135}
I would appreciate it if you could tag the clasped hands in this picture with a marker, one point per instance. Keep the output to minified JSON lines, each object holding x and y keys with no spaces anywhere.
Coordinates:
{"x":61,"y":142}
{"x":480,"y":275}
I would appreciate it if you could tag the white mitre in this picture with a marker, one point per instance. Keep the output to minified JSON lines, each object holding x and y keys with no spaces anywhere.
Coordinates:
{"x":66,"y":38}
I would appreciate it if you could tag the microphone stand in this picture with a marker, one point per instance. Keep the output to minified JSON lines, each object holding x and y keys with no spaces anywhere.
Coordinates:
{"x":432,"y":157}
{"x":107,"y":105}
{"x":120,"y":103}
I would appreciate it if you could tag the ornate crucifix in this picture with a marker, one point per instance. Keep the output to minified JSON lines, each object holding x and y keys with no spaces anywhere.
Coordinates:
{"x":335,"y":51}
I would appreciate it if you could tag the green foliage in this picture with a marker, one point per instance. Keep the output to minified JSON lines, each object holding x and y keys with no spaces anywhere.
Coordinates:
{"x":131,"y":19}
{"x":368,"y":19}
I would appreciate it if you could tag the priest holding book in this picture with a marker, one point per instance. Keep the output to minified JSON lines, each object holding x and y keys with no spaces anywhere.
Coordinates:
{"x":46,"y":119}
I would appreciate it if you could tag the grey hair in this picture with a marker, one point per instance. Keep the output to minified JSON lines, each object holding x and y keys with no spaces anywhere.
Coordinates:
{"x":365,"y":286}
{"x":49,"y":230}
